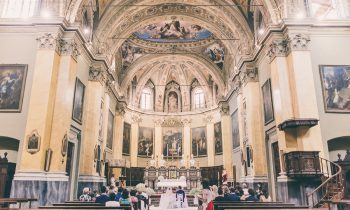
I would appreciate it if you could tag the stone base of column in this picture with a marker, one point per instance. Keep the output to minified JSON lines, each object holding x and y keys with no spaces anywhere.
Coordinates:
{"x":253,"y":181}
{"x":47,"y":187}
{"x":294,"y":190}
{"x":90,"y":181}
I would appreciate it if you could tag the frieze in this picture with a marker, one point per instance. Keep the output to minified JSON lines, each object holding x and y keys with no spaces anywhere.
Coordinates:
{"x":172,"y":122}
{"x":136,"y":118}
{"x":208,"y":119}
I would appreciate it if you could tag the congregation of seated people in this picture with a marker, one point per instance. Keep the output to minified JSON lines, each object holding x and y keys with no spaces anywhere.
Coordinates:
{"x":114,"y":197}
{"x":242,"y":194}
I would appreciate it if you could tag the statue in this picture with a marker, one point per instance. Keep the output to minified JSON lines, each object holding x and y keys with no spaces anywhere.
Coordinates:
{"x":172,"y":102}
{"x":152,"y":162}
{"x":192,"y":161}
{"x":162,"y":161}
{"x":183,"y":161}
{"x":224,"y":177}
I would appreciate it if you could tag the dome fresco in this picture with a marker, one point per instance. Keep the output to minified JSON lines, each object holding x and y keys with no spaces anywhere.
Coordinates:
{"x":173,"y":31}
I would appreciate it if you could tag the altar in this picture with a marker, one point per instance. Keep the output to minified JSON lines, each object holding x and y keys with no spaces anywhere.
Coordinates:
{"x":165,"y":183}
{"x":161,"y":174}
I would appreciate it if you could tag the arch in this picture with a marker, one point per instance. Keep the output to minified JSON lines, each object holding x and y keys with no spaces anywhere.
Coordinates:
{"x":147,"y":96}
{"x":337,"y":146}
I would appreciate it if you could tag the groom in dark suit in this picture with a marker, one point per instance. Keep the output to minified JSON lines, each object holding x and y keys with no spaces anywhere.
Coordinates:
{"x":180,"y":194}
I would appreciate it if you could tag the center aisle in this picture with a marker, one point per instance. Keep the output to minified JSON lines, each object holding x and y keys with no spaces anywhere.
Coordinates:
{"x":158,"y":208}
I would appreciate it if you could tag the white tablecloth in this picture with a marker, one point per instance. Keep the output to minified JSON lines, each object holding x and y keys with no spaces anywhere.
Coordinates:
{"x":171,"y":183}
{"x":168,"y":201}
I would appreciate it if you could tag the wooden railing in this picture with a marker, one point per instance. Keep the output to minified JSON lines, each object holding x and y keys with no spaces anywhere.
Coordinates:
{"x":331,"y":188}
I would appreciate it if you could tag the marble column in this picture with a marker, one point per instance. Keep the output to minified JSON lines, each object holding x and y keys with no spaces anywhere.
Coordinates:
{"x":94,"y":94}
{"x":136,"y":119}
{"x":31,"y":179}
{"x":118,"y":136}
{"x":226,"y":139}
{"x":187,"y":139}
{"x":210,"y":140}
{"x":303,"y":89}
{"x":63,"y":102}
{"x":158,"y":139}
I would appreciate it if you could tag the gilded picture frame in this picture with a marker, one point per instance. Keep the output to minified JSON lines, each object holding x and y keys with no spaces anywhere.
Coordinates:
{"x":78,"y":101}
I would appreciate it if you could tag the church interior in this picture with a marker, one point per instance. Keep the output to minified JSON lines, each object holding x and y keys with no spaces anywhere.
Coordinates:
{"x":166,"y":96}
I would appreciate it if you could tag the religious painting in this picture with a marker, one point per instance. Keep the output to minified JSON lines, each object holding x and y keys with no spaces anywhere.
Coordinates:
{"x":336,"y":88}
{"x":126,"y":139}
{"x":12,"y":83}
{"x":33,"y":143}
{"x":172,"y":142}
{"x":216,"y":53}
{"x":78,"y":102}
{"x":145,"y":143}
{"x":218,"y":138}
{"x":110,"y":130}
{"x":173,"y":31}
{"x":267,"y":99}
{"x":199,"y":141}
{"x":235,"y":130}
{"x":64,"y":145}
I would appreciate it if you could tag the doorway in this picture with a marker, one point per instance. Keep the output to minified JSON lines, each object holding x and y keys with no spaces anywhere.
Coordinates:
{"x":72,"y":163}
{"x":273,"y":157}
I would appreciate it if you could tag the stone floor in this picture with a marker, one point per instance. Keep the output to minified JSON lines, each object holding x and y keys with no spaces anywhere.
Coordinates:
{"x":158,"y":208}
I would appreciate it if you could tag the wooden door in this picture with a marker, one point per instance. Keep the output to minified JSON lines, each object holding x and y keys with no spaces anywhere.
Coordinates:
{"x":3,"y":175}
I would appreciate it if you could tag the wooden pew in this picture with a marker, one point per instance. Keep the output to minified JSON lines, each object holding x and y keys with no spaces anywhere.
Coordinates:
{"x":19,"y":201}
{"x":225,"y":205}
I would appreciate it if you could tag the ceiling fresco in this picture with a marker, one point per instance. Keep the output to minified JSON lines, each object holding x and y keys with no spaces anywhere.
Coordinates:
{"x":173,"y":31}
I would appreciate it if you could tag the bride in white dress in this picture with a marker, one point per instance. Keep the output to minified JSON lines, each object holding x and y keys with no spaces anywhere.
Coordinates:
{"x":167,"y":200}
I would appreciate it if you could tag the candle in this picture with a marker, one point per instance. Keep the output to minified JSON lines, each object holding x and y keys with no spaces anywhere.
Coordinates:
{"x":167,"y":149}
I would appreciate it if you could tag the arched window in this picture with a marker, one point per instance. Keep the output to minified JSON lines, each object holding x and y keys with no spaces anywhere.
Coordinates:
{"x":146,"y":99}
{"x":198,"y":98}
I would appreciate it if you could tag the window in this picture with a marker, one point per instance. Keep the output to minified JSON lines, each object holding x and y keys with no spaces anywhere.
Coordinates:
{"x":17,"y":8}
{"x":146,"y":99}
{"x":199,"y":101}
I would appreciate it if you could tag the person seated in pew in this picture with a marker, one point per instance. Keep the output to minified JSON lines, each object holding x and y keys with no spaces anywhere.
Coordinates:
{"x":133,"y":198}
{"x":220,"y":196}
{"x":125,"y":200}
{"x":265,"y":197}
{"x":141,"y":197}
{"x":112,"y":201}
{"x":103,"y":198}
{"x":250,"y":197}
{"x":119,"y":194}
{"x":85,"y":197}
{"x":231,"y":195}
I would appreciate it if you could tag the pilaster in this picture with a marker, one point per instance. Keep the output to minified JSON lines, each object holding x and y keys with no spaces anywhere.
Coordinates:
{"x":208,"y":120}
{"x":158,"y":138}
{"x":226,"y":138}
{"x":187,"y":138}
{"x":136,"y":119}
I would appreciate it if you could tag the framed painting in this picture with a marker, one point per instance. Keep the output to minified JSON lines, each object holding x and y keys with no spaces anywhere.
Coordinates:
{"x":78,"y":101}
{"x":145,"y":142}
{"x":336,"y":88}
{"x":110,"y":130}
{"x":235,"y":130}
{"x":199,"y":141}
{"x":218,"y":138}
{"x":267,"y":101}
{"x":126,"y":139}
{"x":172,"y":142}
{"x":12,"y":85}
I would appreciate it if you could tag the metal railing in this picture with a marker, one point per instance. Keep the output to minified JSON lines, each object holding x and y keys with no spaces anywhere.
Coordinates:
{"x":331,"y":188}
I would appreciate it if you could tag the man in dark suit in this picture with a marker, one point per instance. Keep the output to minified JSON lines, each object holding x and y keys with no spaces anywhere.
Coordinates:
{"x":180,"y":195}
{"x":103,"y":198}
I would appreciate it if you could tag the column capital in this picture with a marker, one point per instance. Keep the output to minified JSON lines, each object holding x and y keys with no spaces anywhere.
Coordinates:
{"x":299,"y":42}
{"x":186,"y":121}
{"x":224,"y":108}
{"x":208,"y":119}
{"x":120,"y":108}
{"x":278,"y":48}
{"x":248,"y":73}
{"x":49,"y":41}
{"x":69,"y":47}
{"x":97,"y":72}
{"x":136,"y":118}
{"x":158,"y":122}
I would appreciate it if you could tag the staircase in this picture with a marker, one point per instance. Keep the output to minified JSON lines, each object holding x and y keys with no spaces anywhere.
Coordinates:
{"x":331,"y":188}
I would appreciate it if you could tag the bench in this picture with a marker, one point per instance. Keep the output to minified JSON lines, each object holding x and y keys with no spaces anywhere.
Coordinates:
{"x":8,"y":201}
{"x":85,"y":207}
{"x":225,"y":205}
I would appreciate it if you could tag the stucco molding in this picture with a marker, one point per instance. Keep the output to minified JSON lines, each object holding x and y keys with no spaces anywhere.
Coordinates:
{"x":49,"y":41}
{"x":278,"y":48}
{"x":299,"y":42}
{"x":69,"y":47}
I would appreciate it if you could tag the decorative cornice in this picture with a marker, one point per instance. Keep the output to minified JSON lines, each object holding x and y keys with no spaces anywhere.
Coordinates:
{"x":69,"y":47}
{"x":299,"y":41}
{"x":278,"y":48}
{"x":136,"y":118}
{"x":49,"y":41}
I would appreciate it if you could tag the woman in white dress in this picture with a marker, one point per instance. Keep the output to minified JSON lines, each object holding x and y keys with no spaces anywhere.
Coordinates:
{"x":167,"y":200}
